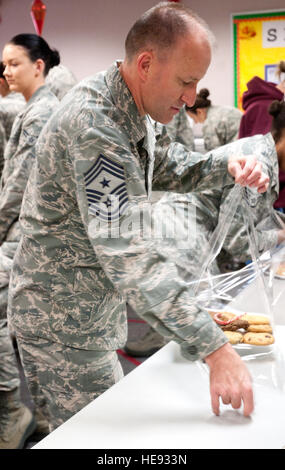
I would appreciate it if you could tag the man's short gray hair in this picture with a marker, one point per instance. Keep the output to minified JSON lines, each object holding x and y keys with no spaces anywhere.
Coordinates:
{"x":160,"y":27}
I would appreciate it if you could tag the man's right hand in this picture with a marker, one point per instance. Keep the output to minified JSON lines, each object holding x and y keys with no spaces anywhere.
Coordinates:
{"x":230,"y":380}
{"x":247,"y":171}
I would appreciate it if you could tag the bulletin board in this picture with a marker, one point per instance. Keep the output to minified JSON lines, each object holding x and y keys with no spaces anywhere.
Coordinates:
{"x":258,"y":46}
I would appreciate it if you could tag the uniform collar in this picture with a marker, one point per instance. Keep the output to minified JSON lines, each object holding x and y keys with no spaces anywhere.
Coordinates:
{"x":124,"y":100}
{"x":14,"y":95}
{"x":38,"y":93}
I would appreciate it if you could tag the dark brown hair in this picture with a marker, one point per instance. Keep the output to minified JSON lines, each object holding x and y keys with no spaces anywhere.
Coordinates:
{"x":280,"y":68}
{"x":2,"y":68}
{"x":37,"y":48}
{"x":277,"y":111}
{"x":201,"y":101}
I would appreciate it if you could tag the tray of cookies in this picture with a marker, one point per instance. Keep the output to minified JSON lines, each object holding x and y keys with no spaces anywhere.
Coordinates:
{"x":250,"y":332}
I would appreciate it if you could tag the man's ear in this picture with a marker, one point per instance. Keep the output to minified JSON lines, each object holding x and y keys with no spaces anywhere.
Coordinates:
{"x":144,"y":63}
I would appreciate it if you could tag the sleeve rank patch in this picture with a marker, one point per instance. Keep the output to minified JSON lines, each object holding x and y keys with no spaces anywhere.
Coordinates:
{"x":106,"y":189}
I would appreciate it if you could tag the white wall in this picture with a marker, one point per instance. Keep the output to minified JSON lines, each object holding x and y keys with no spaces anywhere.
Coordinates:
{"x":90,"y":34}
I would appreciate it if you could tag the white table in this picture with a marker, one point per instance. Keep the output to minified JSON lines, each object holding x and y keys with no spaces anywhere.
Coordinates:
{"x":165,"y":404}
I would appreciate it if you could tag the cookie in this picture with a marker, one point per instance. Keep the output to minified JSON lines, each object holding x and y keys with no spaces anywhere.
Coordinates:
{"x":281,"y":269}
{"x":256,"y":319}
{"x":259,"y":329}
{"x":221,"y":312}
{"x":226,"y":315}
{"x":258,"y":339}
{"x":234,"y":337}
{"x":223,"y":316}
{"x":236,"y":325}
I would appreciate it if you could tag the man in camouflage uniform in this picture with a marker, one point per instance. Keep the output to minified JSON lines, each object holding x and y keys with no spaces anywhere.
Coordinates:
{"x":60,"y":80}
{"x":81,"y":256}
{"x":10,"y":105}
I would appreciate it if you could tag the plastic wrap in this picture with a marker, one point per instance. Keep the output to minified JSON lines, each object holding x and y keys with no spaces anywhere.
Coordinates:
{"x":249,"y":294}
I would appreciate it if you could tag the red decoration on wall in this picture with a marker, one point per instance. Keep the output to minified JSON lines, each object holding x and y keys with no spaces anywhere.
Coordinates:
{"x":38,"y":13}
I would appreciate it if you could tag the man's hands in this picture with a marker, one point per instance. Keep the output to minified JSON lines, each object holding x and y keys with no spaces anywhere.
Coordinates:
{"x":230,"y":380}
{"x":247,"y":171}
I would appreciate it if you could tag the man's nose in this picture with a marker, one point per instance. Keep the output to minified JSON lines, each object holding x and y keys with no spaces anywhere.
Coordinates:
{"x":189,"y":96}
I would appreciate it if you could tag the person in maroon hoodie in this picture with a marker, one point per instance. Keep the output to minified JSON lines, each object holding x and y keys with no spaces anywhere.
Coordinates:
{"x":256,"y":118}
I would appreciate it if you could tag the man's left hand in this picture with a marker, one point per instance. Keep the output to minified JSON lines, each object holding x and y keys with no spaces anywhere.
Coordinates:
{"x":247,"y":171}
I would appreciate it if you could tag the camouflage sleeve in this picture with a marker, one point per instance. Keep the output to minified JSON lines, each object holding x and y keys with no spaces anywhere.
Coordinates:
{"x":177,"y":169}
{"x":2,"y":146}
{"x":142,"y":268}
{"x":14,"y":187}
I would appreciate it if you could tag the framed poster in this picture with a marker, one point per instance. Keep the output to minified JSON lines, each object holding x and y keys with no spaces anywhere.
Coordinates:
{"x":258,"y":47}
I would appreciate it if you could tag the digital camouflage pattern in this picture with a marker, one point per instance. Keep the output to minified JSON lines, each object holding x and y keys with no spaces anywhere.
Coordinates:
{"x":19,"y":155}
{"x":70,"y":282}
{"x":180,"y":130}
{"x":9,"y":373}
{"x":7,"y":252}
{"x":60,"y":80}
{"x":19,"y":159}
{"x":85,"y":376}
{"x":221,"y":126}
{"x":10,"y":106}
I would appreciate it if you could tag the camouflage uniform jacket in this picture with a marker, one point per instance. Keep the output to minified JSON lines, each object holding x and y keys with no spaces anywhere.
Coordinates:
{"x":10,"y":105}
{"x":20,"y":155}
{"x":70,"y":281}
{"x":221,"y":126}
{"x":60,"y":80}
{"x":180,"y":130}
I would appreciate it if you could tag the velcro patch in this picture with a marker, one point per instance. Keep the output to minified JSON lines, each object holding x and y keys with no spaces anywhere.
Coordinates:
{"x":106,"y":189}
